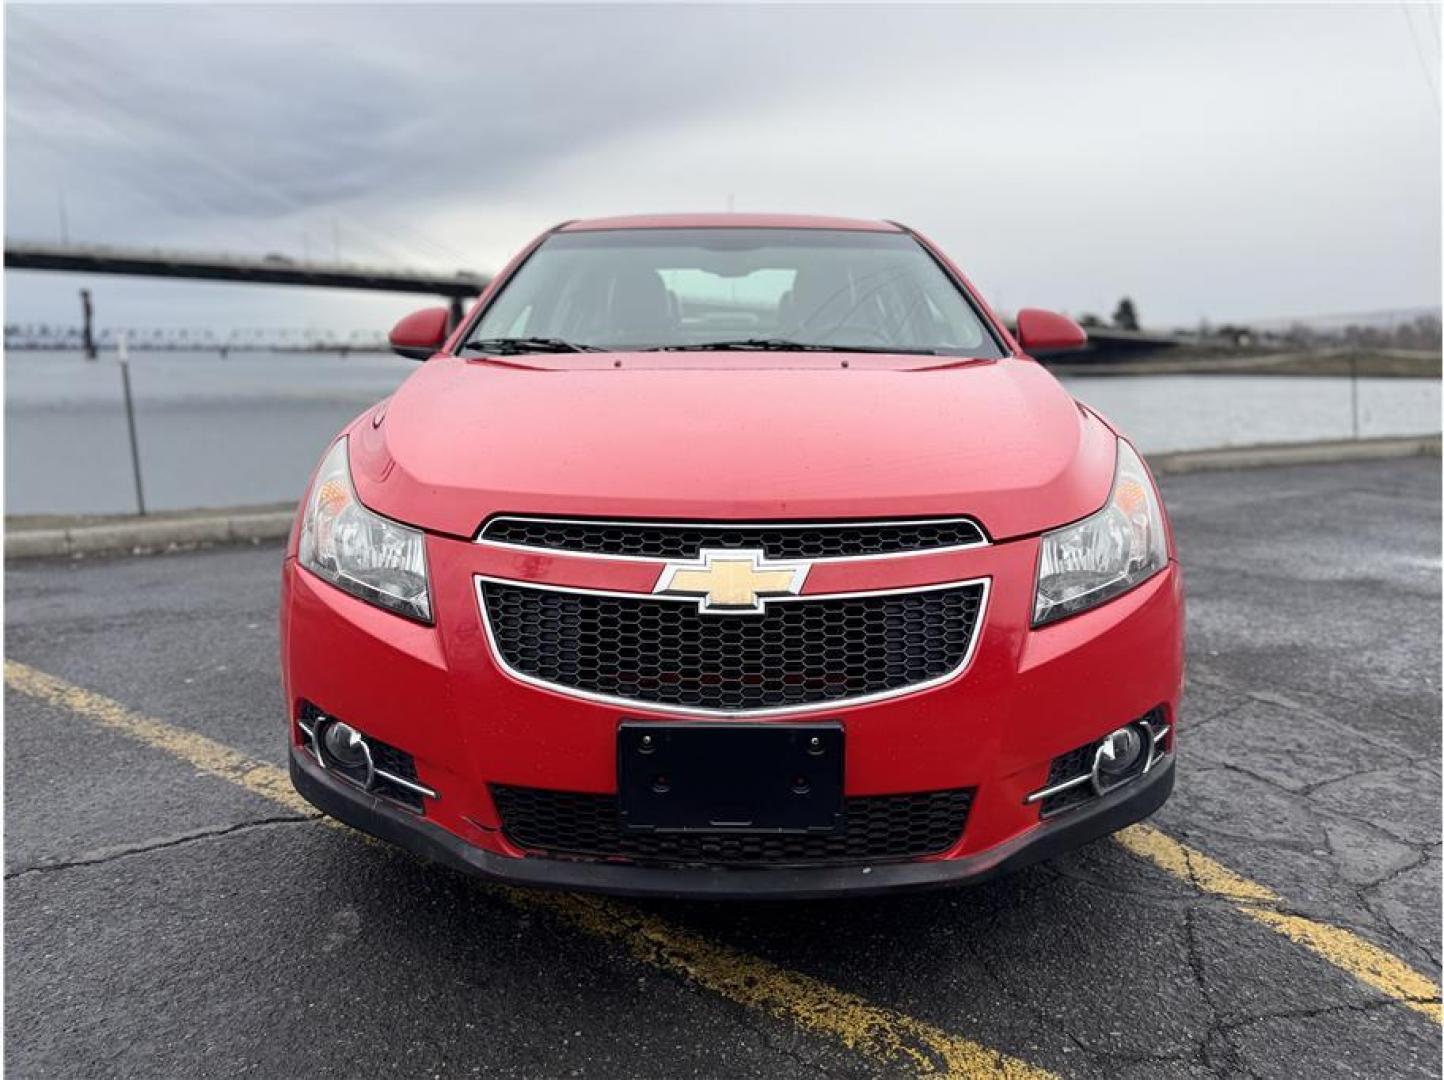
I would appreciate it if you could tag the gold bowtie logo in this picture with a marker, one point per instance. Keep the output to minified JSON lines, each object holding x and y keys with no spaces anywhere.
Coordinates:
{"x":731,"y":582}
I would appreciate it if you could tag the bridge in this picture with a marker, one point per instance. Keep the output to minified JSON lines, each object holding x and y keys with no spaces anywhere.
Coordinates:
{"x":275,"y":269}
{"x":263,"y":270}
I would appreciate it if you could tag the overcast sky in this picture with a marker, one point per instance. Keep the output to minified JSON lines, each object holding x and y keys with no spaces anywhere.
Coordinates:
{"x":1221,"y":161}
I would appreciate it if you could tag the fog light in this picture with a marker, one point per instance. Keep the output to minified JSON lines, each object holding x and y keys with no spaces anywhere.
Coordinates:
{"x":1120,"y":752}
{"x":345,"y":746}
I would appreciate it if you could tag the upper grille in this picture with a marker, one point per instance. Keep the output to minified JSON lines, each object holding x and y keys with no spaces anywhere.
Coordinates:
{"x":875,"y":828}
{"x":796,"y":654}
{"x":683,"y":541}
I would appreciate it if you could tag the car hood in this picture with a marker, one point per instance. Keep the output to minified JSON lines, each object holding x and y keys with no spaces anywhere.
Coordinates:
{"x":742,"y":436}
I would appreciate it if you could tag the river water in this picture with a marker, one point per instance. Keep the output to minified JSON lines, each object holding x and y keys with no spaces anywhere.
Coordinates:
{"x":248,"y":429}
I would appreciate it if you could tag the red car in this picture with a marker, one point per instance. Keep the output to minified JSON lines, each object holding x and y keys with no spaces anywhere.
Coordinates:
{"x":732,"y":555}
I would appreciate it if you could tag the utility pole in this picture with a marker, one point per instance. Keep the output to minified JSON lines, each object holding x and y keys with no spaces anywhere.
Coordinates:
{"x":1354,"y":390}
{"x":123,"y":353}
{"x":87,"y":332}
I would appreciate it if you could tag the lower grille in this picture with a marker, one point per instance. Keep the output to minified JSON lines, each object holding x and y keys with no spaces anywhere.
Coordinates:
{"x":879,"y":828}
{"x":799,"y":653}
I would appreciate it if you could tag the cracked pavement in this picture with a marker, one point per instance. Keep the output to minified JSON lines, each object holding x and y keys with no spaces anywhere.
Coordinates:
{"x":162,"y":922}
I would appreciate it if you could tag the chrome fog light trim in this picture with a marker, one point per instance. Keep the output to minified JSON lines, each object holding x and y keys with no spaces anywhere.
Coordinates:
{"x":316,"y":735}
{"x":402,"y":782}
{"x":346,"y":745}
{"x":1119,"y":751}
{"x":328,"y":734}
{"x":1150,"y":735}
{"x":1066,"y":785}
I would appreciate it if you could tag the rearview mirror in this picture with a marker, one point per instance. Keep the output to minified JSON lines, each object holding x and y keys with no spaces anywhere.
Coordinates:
{"x":1047,"y":331}
{"x":421,"y":334}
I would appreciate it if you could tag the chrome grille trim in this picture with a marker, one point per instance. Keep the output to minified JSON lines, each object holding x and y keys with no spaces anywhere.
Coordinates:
{"x":982,"y":540}
{"x":634,"y":706}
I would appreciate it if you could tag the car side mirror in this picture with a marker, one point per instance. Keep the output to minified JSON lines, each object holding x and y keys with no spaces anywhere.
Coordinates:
{"x":1047,"y":331}
{"x":421,"y":334}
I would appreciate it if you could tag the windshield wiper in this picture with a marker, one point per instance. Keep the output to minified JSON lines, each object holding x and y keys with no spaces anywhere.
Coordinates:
{"x":745,"y":345}
{"x":783,"y":345}
{"x":508,"y":346}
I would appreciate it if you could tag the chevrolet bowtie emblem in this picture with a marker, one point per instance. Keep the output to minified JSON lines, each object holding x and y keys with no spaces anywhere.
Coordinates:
{"x":732,"y":582}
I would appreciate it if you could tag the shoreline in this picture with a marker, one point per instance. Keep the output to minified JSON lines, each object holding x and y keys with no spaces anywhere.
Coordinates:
{"x":1363,"y":363}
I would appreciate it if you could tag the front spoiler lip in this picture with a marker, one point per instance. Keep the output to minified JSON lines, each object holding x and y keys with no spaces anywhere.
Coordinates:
{"x":1130,"y":803}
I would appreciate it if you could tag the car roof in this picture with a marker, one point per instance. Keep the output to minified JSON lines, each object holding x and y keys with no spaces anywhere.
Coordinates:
{"x":728,"y":221}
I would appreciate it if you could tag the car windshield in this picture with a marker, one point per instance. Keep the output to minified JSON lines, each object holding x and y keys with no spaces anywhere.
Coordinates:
{"x":733,"y":288}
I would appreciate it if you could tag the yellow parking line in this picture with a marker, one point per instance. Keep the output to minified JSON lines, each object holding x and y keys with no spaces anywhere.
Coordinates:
{"x":893,"y":1038}
{"x":861,"y":1026}
{"x":748,"y":980}
{"x":1344,"y":949}
{"x":207,"y":755}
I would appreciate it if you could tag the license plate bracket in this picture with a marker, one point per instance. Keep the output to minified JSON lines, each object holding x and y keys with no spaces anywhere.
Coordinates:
{"x":730,"y":777}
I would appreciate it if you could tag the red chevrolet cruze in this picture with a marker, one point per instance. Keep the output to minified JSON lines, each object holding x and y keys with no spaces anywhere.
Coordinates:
{"x":732,"y":555}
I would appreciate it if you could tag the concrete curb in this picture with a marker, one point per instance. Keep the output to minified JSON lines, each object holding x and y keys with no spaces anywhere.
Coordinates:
{"x":1313,"y":453}
{"x":140,"y":536}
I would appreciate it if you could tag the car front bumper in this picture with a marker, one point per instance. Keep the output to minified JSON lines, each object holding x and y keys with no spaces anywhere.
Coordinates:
{"x":1027,"y":698}
{"x":1102,"y":817}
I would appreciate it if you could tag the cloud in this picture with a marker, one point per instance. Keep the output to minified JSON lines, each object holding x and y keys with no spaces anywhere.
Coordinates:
{"x":1221,"y":161}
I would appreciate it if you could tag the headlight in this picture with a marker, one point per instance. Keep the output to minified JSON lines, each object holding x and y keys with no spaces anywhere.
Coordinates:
{"x":360,"y":552}
{"x":1109,"y":553}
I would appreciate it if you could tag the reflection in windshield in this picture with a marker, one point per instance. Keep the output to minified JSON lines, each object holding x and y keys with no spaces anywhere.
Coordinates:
{"x":689,"y":288}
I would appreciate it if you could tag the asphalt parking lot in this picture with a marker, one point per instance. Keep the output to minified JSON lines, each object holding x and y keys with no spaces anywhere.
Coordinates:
{"x":171,"y":911}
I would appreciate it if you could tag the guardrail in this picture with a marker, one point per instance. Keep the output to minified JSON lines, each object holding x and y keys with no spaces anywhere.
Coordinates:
{"x":33,"y":338}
